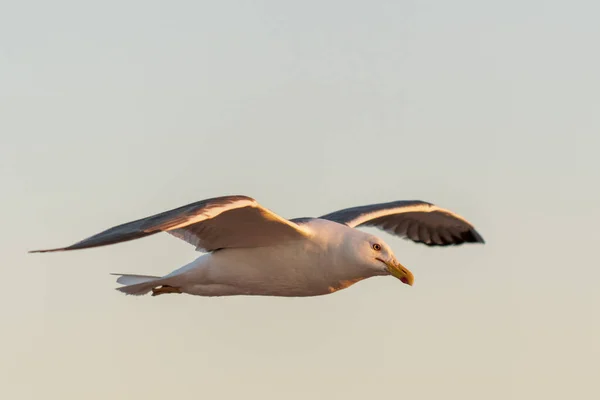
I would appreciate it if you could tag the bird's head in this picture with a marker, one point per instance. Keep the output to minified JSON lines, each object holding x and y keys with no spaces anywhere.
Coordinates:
{"x":376,"y":255}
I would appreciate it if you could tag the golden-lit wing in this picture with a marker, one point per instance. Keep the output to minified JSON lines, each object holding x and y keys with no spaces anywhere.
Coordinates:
{"x":220,"y":222}
{"x":415,"y":220}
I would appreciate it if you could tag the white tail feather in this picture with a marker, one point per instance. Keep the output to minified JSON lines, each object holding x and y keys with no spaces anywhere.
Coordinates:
{"x":126,"y":279}
{"x":137,"y":285}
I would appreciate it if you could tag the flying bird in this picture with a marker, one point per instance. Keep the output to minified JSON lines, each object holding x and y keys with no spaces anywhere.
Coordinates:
{"x":250,"y":250}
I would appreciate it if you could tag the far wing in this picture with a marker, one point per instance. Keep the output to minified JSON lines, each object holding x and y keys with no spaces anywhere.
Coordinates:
{"x":220,"y":222}
{"x":416,"y":220}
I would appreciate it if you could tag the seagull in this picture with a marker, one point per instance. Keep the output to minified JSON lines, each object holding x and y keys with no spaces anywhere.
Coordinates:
{"x":250,"y":250}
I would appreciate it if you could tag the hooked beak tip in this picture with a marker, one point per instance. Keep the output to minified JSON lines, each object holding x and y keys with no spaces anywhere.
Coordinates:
{"x":399,"y":271}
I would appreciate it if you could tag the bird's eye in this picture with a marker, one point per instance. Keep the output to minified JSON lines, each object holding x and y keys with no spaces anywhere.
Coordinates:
{"x":377,"y":247}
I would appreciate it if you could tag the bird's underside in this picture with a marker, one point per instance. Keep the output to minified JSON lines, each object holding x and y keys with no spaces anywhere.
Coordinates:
{"x":238,"y":222}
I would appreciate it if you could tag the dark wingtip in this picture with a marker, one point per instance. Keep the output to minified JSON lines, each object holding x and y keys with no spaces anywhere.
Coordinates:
{"x":470,"y":236}
{"x":476,"y":237}
{"x":458,"y":239}
{"x":47,"y":250}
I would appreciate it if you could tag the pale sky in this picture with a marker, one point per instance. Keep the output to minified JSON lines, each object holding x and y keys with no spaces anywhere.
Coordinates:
{"x":111,"y":111}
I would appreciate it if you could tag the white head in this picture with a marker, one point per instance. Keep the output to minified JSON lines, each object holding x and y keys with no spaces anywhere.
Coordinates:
{"x":375,"y":255}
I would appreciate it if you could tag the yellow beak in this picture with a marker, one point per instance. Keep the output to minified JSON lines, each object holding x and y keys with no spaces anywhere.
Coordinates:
{"x":399,"y":271}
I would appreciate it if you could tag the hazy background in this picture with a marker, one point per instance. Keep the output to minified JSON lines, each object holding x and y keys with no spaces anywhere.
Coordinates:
{"x":111,"y":111}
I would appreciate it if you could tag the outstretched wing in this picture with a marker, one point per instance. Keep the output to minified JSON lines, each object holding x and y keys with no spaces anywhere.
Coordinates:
{"x":416,"y":220}
{"x":220,"y":222}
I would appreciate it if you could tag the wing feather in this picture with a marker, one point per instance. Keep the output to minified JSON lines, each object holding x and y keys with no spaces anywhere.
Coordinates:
{"x":419,"y":221}
{"x":220,"y":222}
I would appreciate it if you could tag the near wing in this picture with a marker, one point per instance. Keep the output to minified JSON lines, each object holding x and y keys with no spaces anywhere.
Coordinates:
{"x":228,"y":221}
{"x":416,"y":220}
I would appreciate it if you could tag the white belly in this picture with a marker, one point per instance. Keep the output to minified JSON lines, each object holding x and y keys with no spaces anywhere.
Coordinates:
{"x":300,"y":268}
